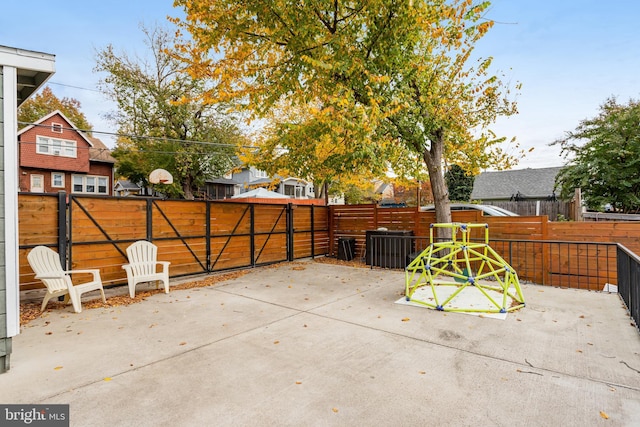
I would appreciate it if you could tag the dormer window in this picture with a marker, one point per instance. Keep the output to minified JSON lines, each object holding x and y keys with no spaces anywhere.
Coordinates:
{"x":56,"y":147}
{"x":56,"y":127}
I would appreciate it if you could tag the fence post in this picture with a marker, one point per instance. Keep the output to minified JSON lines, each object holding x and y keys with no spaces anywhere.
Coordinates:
{"x":62,"y":228}
{"x":252,"y":232}
{"x":546,"y":256}
{"x":375,"y":217}
{"x":332,"y":222}
{"x":149,"y":220}
{"x":289,"y":232}
{"x":208,"y":234}
{"x":313,"y":234}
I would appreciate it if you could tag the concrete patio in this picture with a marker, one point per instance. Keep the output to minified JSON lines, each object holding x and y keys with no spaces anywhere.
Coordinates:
{"x":315,"y":344}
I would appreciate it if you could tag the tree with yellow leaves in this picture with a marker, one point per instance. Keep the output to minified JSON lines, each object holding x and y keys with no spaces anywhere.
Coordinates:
{"x":377,"y":83}
{"x":47,"y":102}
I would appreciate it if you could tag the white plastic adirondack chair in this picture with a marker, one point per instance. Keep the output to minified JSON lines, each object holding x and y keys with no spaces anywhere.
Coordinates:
{"x":45,"y":263}
{"x":142,"y":267}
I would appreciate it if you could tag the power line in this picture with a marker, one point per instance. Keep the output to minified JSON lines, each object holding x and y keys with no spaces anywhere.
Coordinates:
{"x":107,"y":150}
{"x":74,"y":87}
{"x":124,"y":135}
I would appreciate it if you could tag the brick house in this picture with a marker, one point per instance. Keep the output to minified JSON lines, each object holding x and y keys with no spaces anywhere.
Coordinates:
{"x":55,"y":156}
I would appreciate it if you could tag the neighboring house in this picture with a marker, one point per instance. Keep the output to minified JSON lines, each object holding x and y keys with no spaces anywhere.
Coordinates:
{"x":220,"y":188}
{"x":383,"y":190}
{"x":522,"y":184}
{"x":125,"y":188}
{"x":54,"y":156}
{"x":296,"y":188}
{"x":22,"y":72}
{"x":251,"y":178}
{"x":336,"y":200}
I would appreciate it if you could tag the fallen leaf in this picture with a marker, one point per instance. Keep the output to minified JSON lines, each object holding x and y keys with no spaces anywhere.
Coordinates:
{"x":422,"y":372}
{"x":604,"y":415}
{"x":276,"y":342}
{"x":406,"y":319}
{"x":107,"y":379}
{"x":298,"y":382}
{"x":335,"y":409}
{"x":31,"y":310}
{"x":57,"y":368}
{"x":183,"y":343}
{"x":48,"y":333}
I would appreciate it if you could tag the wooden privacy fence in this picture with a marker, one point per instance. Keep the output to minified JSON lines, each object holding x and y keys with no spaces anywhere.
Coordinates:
{"x":206,"y":236}
{"x":196,"y":236}
{"x":570,"y":254}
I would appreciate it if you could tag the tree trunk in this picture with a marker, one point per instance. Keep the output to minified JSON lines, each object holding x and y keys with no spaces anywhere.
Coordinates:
{"x":325,"y":189}
{"x":323,"y":192}
{"x":433,"y":159}
{"x":186,"y":188}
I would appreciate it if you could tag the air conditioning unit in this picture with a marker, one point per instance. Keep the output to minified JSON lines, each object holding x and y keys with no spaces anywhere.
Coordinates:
{"x":56,"y":152}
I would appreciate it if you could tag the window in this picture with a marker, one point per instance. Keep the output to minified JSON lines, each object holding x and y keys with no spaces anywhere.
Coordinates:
{"x":56,"y":147}
{"x":37,"y":183}
{"x":56,"y":127}
{"x":295,"y":191}
{"x":78,"y":184}
{"x":261,"y":174}
{"x":102,"y":185}
{"x":90,"y":184}
{"x":57,"y":180}
{"x":42,"y":146}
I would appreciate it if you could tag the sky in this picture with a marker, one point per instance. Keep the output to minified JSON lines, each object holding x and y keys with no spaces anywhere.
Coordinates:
{"x":569,"y":56}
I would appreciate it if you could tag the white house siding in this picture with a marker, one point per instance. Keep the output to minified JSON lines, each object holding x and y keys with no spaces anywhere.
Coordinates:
{"x":37,"y":68}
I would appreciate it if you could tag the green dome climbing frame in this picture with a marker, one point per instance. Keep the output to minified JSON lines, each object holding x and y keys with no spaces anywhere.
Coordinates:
{"x":459,"y":264}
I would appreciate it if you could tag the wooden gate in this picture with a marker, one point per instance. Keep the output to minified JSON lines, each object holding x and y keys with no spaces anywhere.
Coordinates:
{"x":195,"y":236}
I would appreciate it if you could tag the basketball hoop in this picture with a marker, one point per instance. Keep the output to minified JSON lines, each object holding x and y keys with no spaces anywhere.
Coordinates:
{"x":160,"y":176}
